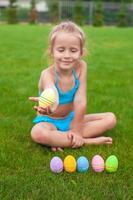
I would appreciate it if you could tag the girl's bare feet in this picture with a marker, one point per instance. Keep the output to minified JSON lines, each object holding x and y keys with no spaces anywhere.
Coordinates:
{"x":95,"y":141}
{"x":98,"y":140}
{"x":56,"y":149}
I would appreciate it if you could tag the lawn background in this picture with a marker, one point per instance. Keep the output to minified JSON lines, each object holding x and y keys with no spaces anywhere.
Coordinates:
{"x":24,"y":165}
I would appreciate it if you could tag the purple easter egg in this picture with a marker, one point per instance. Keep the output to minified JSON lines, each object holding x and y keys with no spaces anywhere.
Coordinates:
{"x":56,"y":164}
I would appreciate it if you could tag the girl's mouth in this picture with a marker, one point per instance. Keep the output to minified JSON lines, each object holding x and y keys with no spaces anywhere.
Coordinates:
{"x":66,"y":62}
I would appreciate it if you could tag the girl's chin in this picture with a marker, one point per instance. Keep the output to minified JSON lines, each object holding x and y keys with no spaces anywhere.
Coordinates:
{"x":65,"y":66}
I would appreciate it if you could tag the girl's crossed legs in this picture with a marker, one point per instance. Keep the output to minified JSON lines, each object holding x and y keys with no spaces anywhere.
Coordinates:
{"x":94,"y":126}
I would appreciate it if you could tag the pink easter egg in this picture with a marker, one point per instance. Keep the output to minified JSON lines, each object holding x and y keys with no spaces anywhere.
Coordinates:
{"x":97,"y":163}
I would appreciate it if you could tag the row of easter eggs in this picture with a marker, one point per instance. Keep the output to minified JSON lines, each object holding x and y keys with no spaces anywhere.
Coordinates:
{"x":82,"y":164}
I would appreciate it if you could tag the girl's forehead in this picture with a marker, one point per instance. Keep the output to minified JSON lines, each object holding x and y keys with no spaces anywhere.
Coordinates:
{"x":66,"y":38}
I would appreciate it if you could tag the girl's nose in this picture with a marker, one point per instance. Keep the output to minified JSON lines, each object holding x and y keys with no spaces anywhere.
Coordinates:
{"x":67,"y":54}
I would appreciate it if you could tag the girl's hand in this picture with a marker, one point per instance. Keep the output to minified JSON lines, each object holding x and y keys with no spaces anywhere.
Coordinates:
{"x":41,"y":110}
{"x":76,"y":140}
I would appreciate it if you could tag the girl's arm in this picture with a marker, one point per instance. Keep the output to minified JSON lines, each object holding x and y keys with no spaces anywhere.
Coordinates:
{"x":46,"y":81}
{"x":80,"y":101}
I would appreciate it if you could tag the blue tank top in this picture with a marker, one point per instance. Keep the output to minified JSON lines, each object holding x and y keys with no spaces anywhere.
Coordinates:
{"x":67,"y":97}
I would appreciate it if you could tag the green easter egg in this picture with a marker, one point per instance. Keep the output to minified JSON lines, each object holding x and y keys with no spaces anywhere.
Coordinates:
{"x":111,"y":164}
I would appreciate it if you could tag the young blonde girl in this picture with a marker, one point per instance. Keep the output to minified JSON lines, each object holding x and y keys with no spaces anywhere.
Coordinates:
{"x":68,"y":125}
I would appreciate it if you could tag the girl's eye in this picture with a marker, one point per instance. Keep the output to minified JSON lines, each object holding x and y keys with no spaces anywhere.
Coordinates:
{"x":73,"y":50}
{"x":60,"y":50}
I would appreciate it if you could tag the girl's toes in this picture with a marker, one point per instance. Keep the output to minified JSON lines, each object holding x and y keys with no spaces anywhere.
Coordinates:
{"x":60,"y":149}
{"x":53,"y":149}
{"x":109,"y":140}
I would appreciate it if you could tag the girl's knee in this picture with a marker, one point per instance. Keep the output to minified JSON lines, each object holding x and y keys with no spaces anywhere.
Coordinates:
{"x":111,"y":118}
{"x":39,"y":135}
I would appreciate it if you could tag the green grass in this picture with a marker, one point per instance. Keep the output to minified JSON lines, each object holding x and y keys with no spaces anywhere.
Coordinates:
{"x":24,"y":165}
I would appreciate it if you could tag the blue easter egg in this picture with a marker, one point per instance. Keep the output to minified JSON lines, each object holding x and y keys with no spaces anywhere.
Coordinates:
{"x":82,"y":164}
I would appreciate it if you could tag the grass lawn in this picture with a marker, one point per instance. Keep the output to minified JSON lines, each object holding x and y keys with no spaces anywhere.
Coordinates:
{"x":24,"y":165}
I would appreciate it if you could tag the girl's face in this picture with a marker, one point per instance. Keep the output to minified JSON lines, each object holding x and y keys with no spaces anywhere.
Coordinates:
{"x":66,"y":50}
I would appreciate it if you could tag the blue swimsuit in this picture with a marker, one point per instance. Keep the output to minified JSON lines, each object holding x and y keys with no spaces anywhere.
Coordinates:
{"x":62,"y":124}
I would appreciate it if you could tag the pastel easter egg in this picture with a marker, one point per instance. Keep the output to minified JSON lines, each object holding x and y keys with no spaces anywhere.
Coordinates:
{"x":70,"y":164}
{"x":47,"y":98}
{"x":97,"y":163}
{"x":82,"y":164}
{"x":56,"y":164}
{"x":111,"y":164}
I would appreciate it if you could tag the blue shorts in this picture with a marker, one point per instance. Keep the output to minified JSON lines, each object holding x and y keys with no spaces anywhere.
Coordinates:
{"x":61,"y":124}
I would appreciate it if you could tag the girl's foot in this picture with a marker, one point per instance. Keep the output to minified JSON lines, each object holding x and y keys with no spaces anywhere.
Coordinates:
{"x":56,"y":149}
{"x":98,"y":140}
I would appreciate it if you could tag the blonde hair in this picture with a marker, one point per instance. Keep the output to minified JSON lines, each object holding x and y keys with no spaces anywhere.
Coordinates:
{"x":68,"y":27}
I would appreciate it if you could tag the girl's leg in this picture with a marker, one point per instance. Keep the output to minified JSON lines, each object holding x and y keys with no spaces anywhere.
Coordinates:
{"x":47,"y":134}
{"x":95,"y":125}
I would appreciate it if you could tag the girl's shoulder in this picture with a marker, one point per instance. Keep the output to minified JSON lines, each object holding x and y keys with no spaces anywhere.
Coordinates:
{"x":81,"y":67}
{"x":48,"y":72}
{"x":47,"y":75}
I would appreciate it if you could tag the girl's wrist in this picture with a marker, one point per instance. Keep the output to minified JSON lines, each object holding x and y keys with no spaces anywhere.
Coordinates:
{"x":76,"y":132}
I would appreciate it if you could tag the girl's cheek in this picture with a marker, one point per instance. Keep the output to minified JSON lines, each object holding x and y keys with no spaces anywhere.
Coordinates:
{"x":77,"y":56}
{"x":57,"y":55}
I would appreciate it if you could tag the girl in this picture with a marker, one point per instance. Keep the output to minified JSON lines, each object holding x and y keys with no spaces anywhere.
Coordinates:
{"x":68,"y":125}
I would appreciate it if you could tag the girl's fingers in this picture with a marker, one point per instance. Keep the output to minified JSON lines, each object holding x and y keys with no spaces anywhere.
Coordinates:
{"x":36,"y":108}
{"x":44,"y":110}
{"x":35,"y":99}
{"x":74,"y":142}
{"x":49,"y":110}
{"x":41,"y":110}
{"x":59,"y":149}
{"x":70,"y":136}
{"x":77,"y":143}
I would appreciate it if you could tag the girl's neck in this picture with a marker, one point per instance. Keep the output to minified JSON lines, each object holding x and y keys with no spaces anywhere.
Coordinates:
{"x":63,"y":73}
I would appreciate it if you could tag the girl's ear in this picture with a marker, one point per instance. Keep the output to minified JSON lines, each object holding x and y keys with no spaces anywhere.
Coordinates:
{"x":49,"y":51}
{"x":50,"y":56}
{"x":83,"y":52}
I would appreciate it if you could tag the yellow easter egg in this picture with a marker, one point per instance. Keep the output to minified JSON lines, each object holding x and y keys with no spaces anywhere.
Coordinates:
{"x":70,"y":164}
{"x":47,"y":98}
